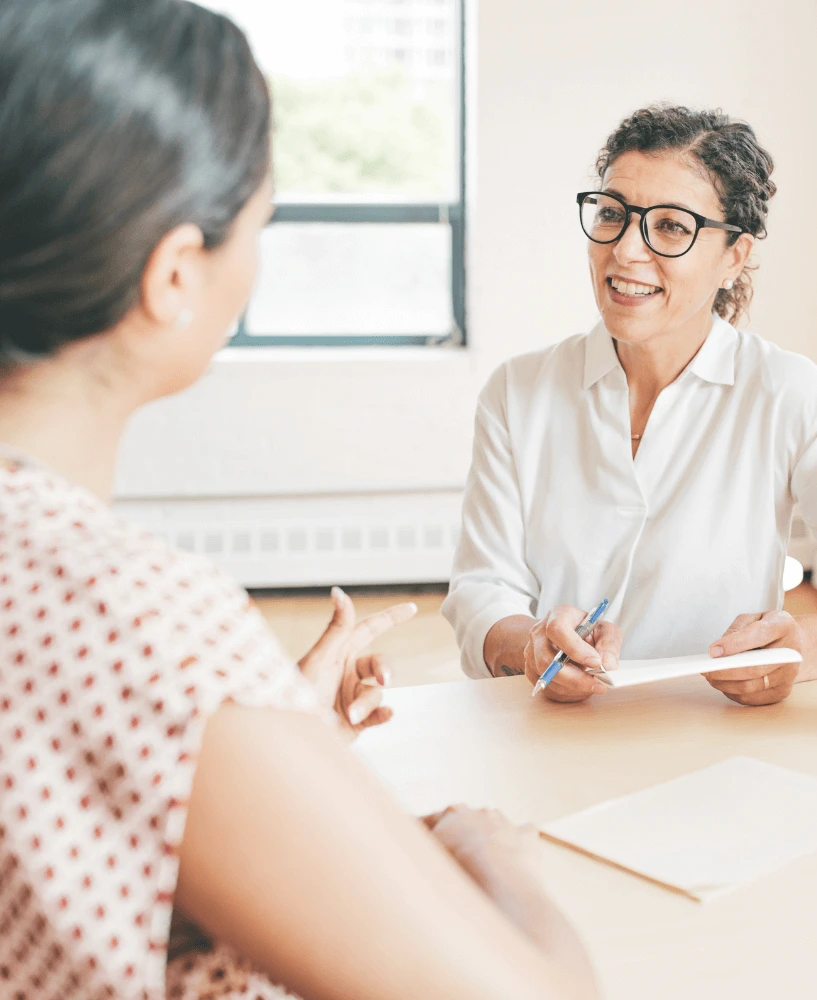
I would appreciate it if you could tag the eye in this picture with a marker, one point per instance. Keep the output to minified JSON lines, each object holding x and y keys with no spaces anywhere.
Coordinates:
{"x":672,"y":227}
{"x":610,"y":215}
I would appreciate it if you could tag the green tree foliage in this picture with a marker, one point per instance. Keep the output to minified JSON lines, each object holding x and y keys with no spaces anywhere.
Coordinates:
{"x":375,"y":134}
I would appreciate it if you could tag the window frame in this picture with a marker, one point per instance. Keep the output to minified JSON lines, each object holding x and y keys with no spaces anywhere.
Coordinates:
{"x":385,"y":213}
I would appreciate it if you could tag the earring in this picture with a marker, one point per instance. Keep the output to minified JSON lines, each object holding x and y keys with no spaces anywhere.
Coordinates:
{"x":728,"y":284}
{"x":185,"y":318}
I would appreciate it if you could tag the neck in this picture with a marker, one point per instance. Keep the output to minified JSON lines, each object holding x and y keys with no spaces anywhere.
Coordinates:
{"x":657,"y":362}
{"x":67,"y":414}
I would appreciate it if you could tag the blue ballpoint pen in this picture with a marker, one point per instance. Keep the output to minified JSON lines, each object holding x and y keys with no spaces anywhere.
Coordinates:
{"x":583,"y":629}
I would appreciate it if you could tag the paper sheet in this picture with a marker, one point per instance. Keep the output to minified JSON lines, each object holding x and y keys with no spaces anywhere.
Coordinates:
{"x":645,"y":671}
{"x":704,"y":833}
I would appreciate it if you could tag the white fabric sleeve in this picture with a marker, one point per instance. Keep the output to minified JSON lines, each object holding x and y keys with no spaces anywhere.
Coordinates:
{"x":490,"y":579}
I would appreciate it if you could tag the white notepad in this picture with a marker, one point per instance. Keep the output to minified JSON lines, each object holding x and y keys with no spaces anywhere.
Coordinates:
{"x":704,"y":833}
{"x":645,"y":671}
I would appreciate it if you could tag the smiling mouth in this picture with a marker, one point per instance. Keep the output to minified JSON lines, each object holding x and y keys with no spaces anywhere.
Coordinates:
{"x":633,"y":288}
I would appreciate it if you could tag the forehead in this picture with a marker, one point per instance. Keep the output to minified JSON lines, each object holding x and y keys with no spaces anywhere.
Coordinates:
{"x":662,"y":179}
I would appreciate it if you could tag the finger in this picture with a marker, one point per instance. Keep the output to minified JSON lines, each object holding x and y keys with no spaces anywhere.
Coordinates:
{"x":373,"y":667}
{"x":340,"y":624}
{"x":607,"y":639}
{"x":378,"y":717}
{"x":560,"y":629}
{"x":755,"y":634}
{"x":573,"y":684}
{"x":366,"y":631}
{"x":759,"y":698}
{"x":432,"y":819}
{"x":779,"y":675}
{"x":366,"y":700}
{"x":742,"y":673}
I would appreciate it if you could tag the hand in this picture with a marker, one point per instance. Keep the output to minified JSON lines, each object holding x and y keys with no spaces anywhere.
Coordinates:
{"x":558,"y":631}
{"x":758,"y":685}
{"x":353,"y":684}
{"x":506,"y":862}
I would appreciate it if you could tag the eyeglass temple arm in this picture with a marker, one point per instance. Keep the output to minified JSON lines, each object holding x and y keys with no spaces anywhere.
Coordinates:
{"x":714,"y":224}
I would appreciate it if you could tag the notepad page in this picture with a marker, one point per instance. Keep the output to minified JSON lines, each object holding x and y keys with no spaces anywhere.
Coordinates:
{"x":632,"y":672}
{"x":705,"y":833}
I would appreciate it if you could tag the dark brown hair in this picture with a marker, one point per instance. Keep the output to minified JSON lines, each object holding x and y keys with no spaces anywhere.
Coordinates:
{"x":735,"y":162}
{"x":119,"y":122}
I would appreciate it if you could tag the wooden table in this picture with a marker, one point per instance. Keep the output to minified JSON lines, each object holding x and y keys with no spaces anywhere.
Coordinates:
{"x":488,"y":743}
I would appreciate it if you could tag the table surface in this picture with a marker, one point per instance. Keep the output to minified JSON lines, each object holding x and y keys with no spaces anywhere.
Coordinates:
{"x":489,"y":743}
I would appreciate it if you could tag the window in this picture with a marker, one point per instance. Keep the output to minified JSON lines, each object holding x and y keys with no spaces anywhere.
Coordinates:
{"x":367,"y":242}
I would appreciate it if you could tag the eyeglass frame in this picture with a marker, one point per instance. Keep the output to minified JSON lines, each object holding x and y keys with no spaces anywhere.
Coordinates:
{"x":701,"y":222}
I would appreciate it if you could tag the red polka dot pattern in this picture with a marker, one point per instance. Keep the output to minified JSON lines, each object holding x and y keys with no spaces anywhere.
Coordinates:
{"x":115,"y":650}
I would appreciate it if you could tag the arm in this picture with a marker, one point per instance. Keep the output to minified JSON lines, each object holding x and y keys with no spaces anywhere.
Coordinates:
{"x":767,"y":685}
{"x":490,"y":579}
{"x":296,"y":856}
{"x":505,"y":643}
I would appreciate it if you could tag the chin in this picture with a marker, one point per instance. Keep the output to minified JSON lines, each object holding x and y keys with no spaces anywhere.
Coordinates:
{"x":627,"y":329}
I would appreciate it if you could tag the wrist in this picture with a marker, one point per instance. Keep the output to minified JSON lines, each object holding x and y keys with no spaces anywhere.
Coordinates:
{"x":807,"y":627}
{"x":504,"y":646}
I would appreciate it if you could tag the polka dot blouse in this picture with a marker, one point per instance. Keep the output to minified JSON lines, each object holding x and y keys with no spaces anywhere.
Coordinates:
{"x":114,"y":651}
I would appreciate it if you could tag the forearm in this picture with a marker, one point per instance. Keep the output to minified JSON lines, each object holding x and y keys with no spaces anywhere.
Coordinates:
{"x":296,"y":856}
{"x":504,"y":649}
{"x":808,"y":668}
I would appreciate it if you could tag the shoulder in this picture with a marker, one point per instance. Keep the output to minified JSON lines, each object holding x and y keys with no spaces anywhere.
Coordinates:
{"x":523,"y":378}
{"x":80,"y":585}
{"x":779,"y":372}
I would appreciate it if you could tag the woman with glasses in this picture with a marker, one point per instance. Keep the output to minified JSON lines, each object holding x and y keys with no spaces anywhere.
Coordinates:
{"x":657,"y":460}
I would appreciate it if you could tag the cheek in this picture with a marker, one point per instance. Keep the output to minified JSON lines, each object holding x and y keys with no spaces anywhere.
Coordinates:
{"x":598,"y":258}
{"x":242,"y":272}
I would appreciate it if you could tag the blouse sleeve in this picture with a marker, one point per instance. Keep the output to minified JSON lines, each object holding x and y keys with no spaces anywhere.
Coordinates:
{"x":491,"y":579}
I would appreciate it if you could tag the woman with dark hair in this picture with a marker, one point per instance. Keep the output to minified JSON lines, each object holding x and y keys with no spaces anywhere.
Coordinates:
{"x":176,"y":816}
{"x":656,"y":461}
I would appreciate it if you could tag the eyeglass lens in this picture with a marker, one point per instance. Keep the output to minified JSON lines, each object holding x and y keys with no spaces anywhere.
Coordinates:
{"x":669,"y":231}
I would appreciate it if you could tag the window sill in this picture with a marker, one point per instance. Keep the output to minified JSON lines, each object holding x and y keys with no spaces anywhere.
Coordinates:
{"x":342,"y":354}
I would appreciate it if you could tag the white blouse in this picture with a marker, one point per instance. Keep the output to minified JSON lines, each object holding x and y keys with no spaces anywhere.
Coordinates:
{"x":681,"y":539}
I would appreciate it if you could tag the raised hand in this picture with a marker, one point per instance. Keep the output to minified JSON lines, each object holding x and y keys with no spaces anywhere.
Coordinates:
{"x":345,"y":680}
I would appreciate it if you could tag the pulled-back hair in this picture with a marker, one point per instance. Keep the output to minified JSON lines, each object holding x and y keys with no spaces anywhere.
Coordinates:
{"x":733,"y":159}
{"x":119,"y":121}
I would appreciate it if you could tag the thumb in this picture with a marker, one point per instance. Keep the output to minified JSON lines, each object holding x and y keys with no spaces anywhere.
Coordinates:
{"x":340,"y":627}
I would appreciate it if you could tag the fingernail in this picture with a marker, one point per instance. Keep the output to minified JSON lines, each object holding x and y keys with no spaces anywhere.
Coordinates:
{"x":599,"y":688}
{"x":716,"y":650}
{"x":386,"y":677}
{"x":356,"y":714}
{"x":413,"y":607}
{"x":594,"y":662}
{"x":609,"y":661}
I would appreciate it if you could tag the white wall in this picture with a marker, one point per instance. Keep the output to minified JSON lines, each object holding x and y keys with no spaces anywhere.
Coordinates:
{"x":552,"y":80}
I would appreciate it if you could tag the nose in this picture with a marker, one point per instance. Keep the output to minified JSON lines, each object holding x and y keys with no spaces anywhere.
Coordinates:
{"x":631,"y":245}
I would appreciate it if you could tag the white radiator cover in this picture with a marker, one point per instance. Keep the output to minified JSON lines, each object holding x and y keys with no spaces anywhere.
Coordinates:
{"x":313,"y":541}
{"x":392,"y":538}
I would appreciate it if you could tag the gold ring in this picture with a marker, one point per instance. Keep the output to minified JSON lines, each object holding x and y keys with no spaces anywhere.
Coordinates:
{"x":765,"y":682}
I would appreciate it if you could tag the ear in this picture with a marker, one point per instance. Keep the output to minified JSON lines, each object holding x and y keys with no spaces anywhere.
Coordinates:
{"x":173,"y":275}
{"x":737,"y":256}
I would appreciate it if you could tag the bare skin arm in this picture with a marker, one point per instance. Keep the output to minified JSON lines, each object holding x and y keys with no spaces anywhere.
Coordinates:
{"x":504,"y":648}
{"x":296,"y":856}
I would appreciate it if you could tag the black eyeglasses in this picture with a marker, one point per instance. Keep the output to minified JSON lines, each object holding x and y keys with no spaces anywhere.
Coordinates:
{"x":668,"y":230}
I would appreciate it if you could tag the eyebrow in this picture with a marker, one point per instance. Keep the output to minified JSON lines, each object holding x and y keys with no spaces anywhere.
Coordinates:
{"x":668,"y":204}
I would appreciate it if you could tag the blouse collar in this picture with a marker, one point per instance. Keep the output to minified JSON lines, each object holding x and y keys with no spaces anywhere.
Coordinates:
{"x":714,"y":362}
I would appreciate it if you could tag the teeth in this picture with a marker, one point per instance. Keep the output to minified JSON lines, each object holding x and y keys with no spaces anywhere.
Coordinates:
{"x":631,"y":288}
